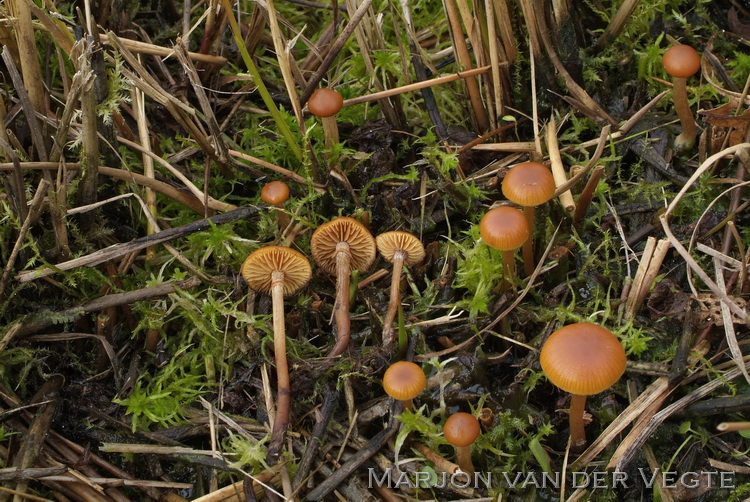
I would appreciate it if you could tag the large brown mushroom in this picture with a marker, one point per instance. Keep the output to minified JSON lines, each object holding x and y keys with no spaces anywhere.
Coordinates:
{"x":279,"y":271}
{"x":529,"y":184}
{"x":681,"y":62}
{"x":338,"y":247}
{"x":399,"y":248}
{"x":583,"y":359}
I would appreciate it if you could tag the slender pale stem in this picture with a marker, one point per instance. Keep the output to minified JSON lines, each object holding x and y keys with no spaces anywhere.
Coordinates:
{"x":389,"y":333}
{"x":463,"y":459}
{"x":331,"y":131}
{"x":283,"y":395}
{"x":686,"y":139}
{"x":341,"y":308}
{"x":528,"y":246}
{"x":577,"y":433}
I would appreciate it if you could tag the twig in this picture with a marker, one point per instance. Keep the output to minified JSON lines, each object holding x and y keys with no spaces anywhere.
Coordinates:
{"x":305,"y":464}
{"x":584,"y":200}
{"x":558,"y":170}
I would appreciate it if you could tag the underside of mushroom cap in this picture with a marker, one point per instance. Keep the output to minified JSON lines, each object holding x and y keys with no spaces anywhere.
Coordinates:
{"x":258,"y":268}
{"x":327,"y":237}
{"x":390,"y":242}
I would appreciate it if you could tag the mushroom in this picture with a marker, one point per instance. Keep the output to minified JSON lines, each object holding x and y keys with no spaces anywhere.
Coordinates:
{"x":404,"y":381}
{"x":399,"y":248}
{"x":506,"y":229}
{"x":338,"y":247}
{"x":279,"y":271}
{"x":583,"y":359}
{"x":276,"y":193}
{"x":461,"y":430}
{"x":529,"y":184}
{"x":325,"y":103}
{"x":682,"y":61}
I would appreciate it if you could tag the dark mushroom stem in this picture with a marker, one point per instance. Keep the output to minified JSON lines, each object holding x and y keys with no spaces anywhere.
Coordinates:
{"x":389,"y":333}
{"x":509,"y":268}
{"x":528,"y":246}
{"x":463,"y":459}
{"x":575,"y":416}
{"x":283,"y":394}
{"x":341,"y":307}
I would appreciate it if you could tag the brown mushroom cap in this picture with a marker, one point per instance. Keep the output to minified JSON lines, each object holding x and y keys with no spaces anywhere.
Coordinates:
{"x":343,"y":229}
{"x":461,"y":429}
{"x":274,"y":193}
{"x":529,"y":184}
{"x":325,"y":103}
{"x":504,"y":228}
{"x":681,"y":61}
{"x":404,"y":380}
{"x":390,"y":242}
{"x":583,"y":359}
{"x":258,"y":267}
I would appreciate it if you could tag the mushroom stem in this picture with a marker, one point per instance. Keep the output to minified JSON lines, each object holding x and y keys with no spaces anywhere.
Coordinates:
{"x":282,"y":219}
{"x":463,"y":459}
{"x":686,"y":139}
{"x":575,"y":414}
{"x":283,"y":396}
{"x":330,"y":130}
{"x":389,"y":333}
{"x":528,"y":246}
{"x":341,"y":308}
{"x":509,"y":268}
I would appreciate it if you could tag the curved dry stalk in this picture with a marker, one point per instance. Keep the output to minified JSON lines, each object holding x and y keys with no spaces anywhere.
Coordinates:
{"x":341,"y":307}
{"x":389,"y":334}
{"x":283,"y":394}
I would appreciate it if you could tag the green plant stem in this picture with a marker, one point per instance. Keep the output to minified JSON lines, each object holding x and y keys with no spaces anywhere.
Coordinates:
{"x":575,"y":415}
{"x":267,"y":99}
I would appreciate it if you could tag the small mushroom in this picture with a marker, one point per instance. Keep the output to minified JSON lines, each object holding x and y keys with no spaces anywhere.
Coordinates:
{"x":583,"y":359}
{"x":529,"y":184}
{"x":505,"y":228}
{"x":325,"y":103}
{"x":276,"y":193}
{"x":279,"y":271}
{"x":461,"y":430}
{"x":404,"y":381}
{"x":681,"y":62}
{"x":338,"y":247}
{"x":399,"y":248}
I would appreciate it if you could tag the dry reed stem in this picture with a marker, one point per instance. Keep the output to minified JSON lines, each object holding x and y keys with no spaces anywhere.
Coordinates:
{"x":464,"y":60}
{"x":494,"y":51}
{"x":511,"y":146}
{"x":635,"y":286}
{"x":29,"y":59}
{"x":731,"y":335}
{"x":657,"y":258}
{"x":692,"y":264}
{"x":556,"y":164}
{"x":148,"y":162}
{"x":87,"y":189}
{"x":505,"y":25}
{"x":618,"y":22}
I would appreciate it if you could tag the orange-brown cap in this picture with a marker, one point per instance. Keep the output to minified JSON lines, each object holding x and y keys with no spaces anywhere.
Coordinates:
{"x":274,"y":193}
{"x":258,"y":267}
{"x":583,"y":359}
{"x":681,"y":61}
{"x":504,"y":228}
{"x":390,"y":242}
{"x":529,"y":184}
{"x":404,"y":380}
{"x":325,"y":103}
{"x":344,"y":229}
{"x":461,"y":429}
